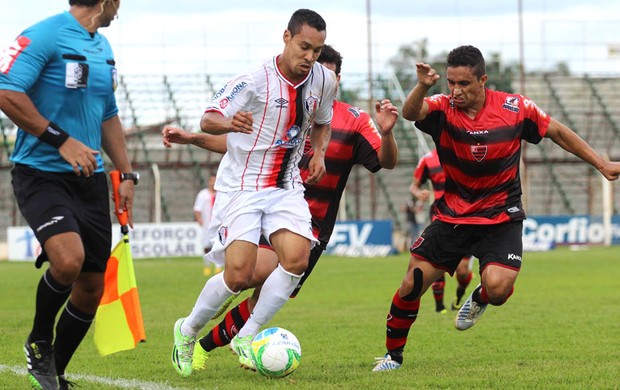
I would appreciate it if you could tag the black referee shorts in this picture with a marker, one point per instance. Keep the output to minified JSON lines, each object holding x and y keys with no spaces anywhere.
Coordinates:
{"x":54,"y":203}
{"x":444,"y":244}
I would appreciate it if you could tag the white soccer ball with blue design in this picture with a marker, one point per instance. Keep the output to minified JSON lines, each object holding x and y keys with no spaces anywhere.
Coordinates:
{"x":276,"y":352}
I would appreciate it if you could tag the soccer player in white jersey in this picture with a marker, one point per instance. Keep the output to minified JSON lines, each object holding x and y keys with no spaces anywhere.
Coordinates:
{"x":267,"y":114}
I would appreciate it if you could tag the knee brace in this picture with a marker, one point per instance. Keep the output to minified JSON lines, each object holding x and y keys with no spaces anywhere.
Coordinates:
{"x":418,"y":279}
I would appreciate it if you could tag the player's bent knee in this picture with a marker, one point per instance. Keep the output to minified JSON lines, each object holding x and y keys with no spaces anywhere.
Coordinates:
{"x":296,"y":266}
{"x":238,"y":282}
{"x":67,"y":273}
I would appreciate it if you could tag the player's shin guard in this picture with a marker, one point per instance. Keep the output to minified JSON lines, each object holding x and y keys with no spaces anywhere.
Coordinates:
{"x":213,"y":295}
{"x":51,"y":295}
{"x":462,"y":285}
{"x":401,"y":317}
{"x":72,"y":326}
{"x":222,"y":333}
{"x":274,"y":294}
{"x":438,"y":289}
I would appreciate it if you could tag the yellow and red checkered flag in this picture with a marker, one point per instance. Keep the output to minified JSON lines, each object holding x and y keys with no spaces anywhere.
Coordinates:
{"x":118,"y":323}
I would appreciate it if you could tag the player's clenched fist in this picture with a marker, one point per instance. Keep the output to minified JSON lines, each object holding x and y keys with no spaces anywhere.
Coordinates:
{"x":242,"y":122}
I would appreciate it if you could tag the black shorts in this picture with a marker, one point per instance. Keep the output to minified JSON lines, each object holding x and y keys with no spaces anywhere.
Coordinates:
{"x":315,"y":253}
{"x":444,"y":244}
{"x":54,"y":203}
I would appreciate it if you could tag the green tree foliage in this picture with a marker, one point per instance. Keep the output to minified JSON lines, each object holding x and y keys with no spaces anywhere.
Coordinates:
{"x":403,"y":65}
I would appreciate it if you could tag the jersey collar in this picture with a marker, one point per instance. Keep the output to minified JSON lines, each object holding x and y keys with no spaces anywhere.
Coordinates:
{"x":281,"y":75}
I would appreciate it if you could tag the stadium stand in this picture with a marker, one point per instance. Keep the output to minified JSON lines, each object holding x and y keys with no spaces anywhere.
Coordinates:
{"x":146,"y":103}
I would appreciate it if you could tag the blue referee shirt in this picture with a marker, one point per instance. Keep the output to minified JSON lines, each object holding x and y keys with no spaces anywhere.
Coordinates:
{"x":70,"y":77}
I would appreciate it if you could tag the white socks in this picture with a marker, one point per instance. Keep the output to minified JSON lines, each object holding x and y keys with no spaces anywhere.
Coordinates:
{"x":213,"y":295}
{"x":273,"y":295}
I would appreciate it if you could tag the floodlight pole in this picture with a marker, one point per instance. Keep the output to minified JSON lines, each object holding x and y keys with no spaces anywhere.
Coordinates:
{"x":525,"y":180}
{"x":371,"y":177}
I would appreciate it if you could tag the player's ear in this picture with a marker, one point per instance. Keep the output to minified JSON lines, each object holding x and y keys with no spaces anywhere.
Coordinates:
{"x":483,"y":80}
{"x":287,"y":36}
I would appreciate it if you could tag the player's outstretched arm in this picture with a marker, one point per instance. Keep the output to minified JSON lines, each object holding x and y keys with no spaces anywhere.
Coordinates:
{"x":174,"y":135}
{"x":573,"y":143}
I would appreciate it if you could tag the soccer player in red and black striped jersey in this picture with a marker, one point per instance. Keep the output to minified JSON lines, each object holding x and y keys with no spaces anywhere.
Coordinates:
{"x":429,"y":170}
{"x":478,"y":134}
{"x":354,"y":140}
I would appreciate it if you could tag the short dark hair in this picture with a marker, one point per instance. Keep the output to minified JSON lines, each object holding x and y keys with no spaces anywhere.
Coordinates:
{"x":467,"y":56}
{"x":330,"y":56}
{"x":305,"y":16}
{"x":84,"y":3}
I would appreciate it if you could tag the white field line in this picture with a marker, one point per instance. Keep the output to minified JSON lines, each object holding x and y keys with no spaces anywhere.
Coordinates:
{"x":124,"y":383}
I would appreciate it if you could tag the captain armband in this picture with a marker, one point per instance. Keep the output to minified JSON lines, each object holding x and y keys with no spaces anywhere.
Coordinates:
{"x":54,"y":135}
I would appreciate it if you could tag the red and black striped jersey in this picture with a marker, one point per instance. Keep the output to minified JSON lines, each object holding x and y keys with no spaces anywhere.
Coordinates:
{"x":480,"y":156}
{"x":354,"y":140}
{"x":429,"y":168}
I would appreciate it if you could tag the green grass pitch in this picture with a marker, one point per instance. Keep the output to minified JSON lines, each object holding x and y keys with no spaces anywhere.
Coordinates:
{"x":561,"y":329}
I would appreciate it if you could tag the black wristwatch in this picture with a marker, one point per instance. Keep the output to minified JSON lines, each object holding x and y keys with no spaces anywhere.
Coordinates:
{"x":133,"y":176}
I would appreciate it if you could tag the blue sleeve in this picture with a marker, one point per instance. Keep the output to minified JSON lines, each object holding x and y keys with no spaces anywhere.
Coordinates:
{"x":23,"y":61}
{"x":111,"y":109}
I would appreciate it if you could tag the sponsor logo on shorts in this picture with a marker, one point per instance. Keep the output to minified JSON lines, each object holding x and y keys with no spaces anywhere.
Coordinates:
{"x":512,"y":256}
{"x":51,"y":222}
{"x":222,"y":233}
{"x":513,"y":209}
{"x":417,"y":242}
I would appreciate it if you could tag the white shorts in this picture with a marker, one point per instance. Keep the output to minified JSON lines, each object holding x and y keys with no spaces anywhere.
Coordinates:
{"x":245,"y":215}
{"x":204,"y":237}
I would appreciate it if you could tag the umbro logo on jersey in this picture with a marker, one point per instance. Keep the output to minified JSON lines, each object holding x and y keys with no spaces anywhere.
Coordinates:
{"x":479,"y":152}
{"x":281,"y":103}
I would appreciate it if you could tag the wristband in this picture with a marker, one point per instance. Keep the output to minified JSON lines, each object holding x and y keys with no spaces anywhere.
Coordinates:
{"x":54,"y":135}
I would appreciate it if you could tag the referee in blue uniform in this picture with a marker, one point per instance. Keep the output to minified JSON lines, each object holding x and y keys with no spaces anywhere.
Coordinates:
{"x":57,"y":82}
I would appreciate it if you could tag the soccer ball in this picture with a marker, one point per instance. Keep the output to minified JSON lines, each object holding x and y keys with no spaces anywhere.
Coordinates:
{"x":276,"y":352}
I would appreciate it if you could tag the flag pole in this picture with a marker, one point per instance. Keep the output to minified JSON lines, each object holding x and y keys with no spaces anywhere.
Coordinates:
{"x":118,"y":323}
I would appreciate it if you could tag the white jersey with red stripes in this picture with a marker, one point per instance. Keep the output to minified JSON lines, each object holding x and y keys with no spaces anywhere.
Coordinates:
{"x":283,"y":115}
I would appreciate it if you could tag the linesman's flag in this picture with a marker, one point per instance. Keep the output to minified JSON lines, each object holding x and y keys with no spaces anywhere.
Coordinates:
{"x":118,"y":323}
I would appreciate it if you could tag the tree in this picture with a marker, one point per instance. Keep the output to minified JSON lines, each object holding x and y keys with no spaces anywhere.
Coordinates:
{"x":403,"y":65}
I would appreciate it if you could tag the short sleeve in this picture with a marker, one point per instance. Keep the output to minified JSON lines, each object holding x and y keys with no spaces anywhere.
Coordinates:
{"x":236,"y":95}
{"x":24,"y":59}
